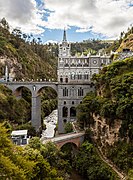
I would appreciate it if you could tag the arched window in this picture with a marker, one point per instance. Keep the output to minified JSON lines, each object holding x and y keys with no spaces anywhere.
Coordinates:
{"x":65,"y":111}
{"x":66,"y":79}
{"x":61,"y":79}
{"x":72,"y":112}
{"x":79,"y":75}
{"x":72,"y":92}
{"x":72,"y":75}
{"x":86,"y":76}
{"x":80,"y":92}
{"x":65,"y":92}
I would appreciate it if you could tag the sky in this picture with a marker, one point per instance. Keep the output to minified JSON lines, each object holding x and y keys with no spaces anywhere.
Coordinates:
{"x":83,"y":19}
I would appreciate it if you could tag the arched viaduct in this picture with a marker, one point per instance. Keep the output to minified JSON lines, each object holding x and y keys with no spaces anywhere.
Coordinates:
{"x":35,"y":89}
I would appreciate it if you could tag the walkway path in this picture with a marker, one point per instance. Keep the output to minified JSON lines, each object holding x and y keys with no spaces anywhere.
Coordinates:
{"x":121,"y":175}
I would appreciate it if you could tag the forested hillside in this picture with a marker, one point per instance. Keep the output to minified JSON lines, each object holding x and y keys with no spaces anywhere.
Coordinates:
{"x":26,"y":59}
{"x":112,"y":108}
{"x":90,"y":46}
{"x":25,"y":56}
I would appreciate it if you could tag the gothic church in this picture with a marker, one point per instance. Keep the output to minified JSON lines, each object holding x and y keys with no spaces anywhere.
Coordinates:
{"x":74,"y":80}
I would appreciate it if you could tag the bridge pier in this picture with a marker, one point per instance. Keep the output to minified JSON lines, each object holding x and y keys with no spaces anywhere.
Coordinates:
{"x":36,"y":112}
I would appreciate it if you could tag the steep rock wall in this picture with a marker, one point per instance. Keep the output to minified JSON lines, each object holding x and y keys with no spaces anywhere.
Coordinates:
{"x":104,"y":133}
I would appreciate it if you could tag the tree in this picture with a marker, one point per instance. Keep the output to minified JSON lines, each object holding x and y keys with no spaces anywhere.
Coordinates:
{"x":4,"y":23}
{"x":68,"y":127}
{"x":89,"y":165}
{"x":12,"y":163}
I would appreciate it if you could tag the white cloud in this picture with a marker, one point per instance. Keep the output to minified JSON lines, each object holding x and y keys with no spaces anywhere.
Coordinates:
{"x":108,"y":17}
{"x":23,"y":14}
{"x":51,"y":41}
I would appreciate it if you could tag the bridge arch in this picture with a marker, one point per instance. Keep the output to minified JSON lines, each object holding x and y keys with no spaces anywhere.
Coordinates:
{"x":70,"y":144}
{"x":46,"y":107}
{"x":16,"y":88}
{"x":40,"y":87}
{"x":35,"y":89}
{"x":76,"y":142}
{"x":17,"y":91}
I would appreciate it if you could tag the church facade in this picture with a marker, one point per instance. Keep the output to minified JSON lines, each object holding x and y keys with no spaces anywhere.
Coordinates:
{"x":74,"y":80}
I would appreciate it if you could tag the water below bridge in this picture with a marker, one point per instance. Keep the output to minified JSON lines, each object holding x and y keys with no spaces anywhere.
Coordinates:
{"x":50,"y":122}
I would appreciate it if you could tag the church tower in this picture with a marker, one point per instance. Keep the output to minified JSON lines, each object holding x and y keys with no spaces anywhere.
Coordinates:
{"x":64,"y":47}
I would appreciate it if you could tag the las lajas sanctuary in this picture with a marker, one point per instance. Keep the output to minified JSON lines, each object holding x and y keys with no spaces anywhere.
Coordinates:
{"x":74,"y":80}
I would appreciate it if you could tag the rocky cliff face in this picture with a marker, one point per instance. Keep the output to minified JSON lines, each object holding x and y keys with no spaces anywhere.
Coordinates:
{"x":12,"y":63}
{"x":104,"y":133}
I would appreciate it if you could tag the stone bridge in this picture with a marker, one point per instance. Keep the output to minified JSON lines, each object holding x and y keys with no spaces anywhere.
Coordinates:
{"x":74,"y":138}
{"x":35,"y":89}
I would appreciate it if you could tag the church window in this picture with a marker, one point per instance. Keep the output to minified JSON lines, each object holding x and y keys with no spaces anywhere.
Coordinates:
{"x":65,"y":111}
{"x":86,"y":76}
{"x":66,"y":79}
{"x":72,"y":102}
{"x":72,"y":91}
{"x":79,"y":76}
{"x":72,"y":112}
{"x":72,"y":75}
{"x":61,"y":79}
{"x":80,"y":91}
{"x":65,"y":92}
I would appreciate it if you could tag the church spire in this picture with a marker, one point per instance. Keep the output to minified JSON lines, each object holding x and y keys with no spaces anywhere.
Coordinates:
{"x":64,"y":36}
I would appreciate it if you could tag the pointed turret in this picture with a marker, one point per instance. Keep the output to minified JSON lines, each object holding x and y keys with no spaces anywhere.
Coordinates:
{"x":64,"y":36}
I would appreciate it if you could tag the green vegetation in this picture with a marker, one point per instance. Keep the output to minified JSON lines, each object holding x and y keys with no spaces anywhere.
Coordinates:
{"x":125,"y":41}
{"x":90,"y":166}
{"x":28,"y":59}
{"x":68,"y":127}
{"x":113,"y":100}
{"x":122,"y":155}
{"x":35,"y":161}
{"x":88,"y":46}
{"x":15,"y":111}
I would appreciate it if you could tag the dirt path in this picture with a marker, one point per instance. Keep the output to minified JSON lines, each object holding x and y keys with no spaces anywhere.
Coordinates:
{"x":121,"y":175}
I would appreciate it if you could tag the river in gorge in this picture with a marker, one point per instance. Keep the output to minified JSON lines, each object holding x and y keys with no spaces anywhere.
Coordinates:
{"x":50,"y":122}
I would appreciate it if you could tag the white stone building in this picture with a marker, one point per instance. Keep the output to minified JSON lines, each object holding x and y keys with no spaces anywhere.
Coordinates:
{"x":74,"y":80}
